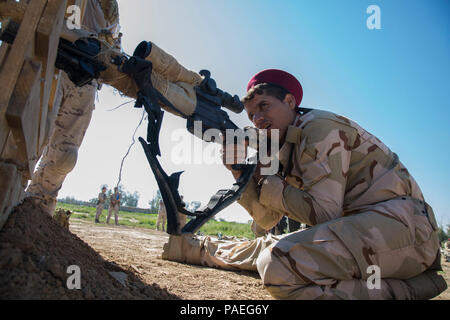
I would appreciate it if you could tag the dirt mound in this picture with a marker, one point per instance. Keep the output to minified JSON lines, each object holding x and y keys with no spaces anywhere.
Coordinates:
{"x":35,"y":253}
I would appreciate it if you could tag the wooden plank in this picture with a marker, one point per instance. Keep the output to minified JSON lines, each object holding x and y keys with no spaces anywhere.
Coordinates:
{"x":53,"y":108}
{"x":47,"y":40}
{"x":21,"y":48}
{"x":23,"y":115}
{"x":11,"y":190}
{"x":13,"y":10}
{"x":4,"y":132}
{"x":54,"y":89}
{"x":49,"y":28}
{"x":10,"y":149}
{"x":4,"y":49}
{"x":4,"y":128}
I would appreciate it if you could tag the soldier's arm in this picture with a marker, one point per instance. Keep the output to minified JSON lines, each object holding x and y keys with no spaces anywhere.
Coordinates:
{"x":321,"y":164}
{"x":263,"y":216}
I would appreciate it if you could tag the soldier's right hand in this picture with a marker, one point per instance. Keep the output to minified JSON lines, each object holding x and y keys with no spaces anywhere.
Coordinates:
{"x":232,"y":154}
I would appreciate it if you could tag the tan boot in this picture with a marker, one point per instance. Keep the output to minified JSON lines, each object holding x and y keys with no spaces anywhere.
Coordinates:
{"x":425,"y":286}
{"x":186,"y":248}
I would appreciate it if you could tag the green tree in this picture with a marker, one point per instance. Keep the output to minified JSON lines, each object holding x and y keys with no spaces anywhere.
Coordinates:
{"x":128,"y":199}
{"x":131,"y":199}
{"x":443,"y":236}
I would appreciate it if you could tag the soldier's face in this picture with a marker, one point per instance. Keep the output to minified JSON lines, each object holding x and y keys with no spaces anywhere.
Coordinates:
{"x":267,"y":112}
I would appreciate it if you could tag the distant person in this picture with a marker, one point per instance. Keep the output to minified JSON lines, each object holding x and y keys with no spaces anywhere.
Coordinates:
{"x":447,"y":251}
{"x":114,"y":205}
{"x":100,"y":204}
{"x":182,"y":219}
{"x":162,"y":216}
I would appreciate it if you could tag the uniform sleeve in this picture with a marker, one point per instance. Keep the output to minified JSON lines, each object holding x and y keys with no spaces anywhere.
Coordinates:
{"x":263,"y":216}
{"x":313,"y":191}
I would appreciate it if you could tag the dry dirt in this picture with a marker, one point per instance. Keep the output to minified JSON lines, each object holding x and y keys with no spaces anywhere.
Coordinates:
{"x":35,"y":253}
{"x":33,"y":262}
{"x":139,"y":250}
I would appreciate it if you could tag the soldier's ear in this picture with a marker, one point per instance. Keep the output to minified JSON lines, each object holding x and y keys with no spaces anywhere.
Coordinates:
{"x":290,"y":100}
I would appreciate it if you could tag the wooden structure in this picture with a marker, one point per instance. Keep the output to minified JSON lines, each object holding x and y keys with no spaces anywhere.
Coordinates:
{"x":28,"y":82}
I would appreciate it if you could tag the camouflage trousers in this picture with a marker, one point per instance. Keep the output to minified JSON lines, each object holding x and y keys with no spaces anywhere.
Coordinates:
{"x":162,"y":219}
{"x":328,"y":261}
{"x":114,"y":209}
{"x":61,"y":153}
{"x":99,"y":210}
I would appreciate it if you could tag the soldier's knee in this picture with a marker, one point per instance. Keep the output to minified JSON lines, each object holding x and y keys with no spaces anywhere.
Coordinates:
{"x":66,"y":162}
{"x":272,"y":270}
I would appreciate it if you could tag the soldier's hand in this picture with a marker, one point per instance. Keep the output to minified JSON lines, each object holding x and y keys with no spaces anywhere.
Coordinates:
{"x":234,"y":154}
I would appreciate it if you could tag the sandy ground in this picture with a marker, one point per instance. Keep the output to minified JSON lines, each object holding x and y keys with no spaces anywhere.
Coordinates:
{"x":139,"y":251}
{"x":113,"y":262}
{"x":446,"y":273}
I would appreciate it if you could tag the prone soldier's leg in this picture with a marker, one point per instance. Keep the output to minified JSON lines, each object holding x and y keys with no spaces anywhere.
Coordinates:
{"x":223,"y":254}
{"x":61,"y":153}
{"x":331,"y":260}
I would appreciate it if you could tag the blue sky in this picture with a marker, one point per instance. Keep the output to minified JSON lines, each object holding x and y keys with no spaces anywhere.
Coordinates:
{"x":395,"y":82}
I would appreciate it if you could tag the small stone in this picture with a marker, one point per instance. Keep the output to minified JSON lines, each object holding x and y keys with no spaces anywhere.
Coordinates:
{"x":120,"y":276}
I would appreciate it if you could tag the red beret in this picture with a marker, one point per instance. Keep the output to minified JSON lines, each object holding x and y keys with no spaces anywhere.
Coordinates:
{"x":280,"y":78}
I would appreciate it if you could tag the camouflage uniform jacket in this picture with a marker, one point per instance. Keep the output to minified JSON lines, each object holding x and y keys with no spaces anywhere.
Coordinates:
{"x":331,"y":168}
{"x":101,"y":198}
{"x":102,"y":17}
{"x":115,"y":199}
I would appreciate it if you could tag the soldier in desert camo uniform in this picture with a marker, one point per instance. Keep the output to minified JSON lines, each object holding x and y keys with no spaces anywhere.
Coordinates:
{"x":76,"y":105}
{"x":364,"y":208}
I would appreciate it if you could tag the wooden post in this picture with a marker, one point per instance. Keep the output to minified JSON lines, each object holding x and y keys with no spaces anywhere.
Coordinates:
{"x":28,"y":87}
{"x":47,"y":38}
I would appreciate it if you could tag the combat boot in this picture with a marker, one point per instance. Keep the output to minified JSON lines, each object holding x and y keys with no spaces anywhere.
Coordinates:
{"x":425,"y":286}
{"x":185,"y":248}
